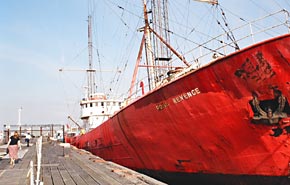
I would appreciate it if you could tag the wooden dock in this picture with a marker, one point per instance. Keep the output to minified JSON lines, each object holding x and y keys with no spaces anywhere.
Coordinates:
{"x":62,"y":165}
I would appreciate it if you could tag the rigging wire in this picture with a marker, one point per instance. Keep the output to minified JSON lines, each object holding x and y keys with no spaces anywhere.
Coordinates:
{"x":201,"y":20}
{"x":114,"y":12}
{"x":124,"y":10}
{"x":228,"y":31}
{"x":260,"y":7}
{"x":202,"y":33}
{"x":196,"y":43}
{"x":266,"y":11}
{"x":74,"y":59}
{"x":119,"y":75}
{"x":116,"y":76}
{"x":256,"y":24}
{"x":71,"y":108}
{"x":193,"y":28}
{"x":234,"y":14}
{"x":186,"y":38}
{"x":257,"y":5}
{"x":97,"y":48}
{"x":278,"y":4}
{"x":100,"y":69}
{"x":287,"y":2}
{"x":212,"y":10}
{"x":101,"y":86}
{"x":92,"y":9}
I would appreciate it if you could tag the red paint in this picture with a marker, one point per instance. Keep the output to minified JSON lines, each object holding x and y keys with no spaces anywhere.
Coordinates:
{"x":142,"y":87}
{"x":210,"y":131}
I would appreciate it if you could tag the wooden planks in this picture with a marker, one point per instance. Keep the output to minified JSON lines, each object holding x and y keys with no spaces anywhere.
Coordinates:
{"x":70,"y":166}
{"x":110,"y":172}
{"x":17,"y":174}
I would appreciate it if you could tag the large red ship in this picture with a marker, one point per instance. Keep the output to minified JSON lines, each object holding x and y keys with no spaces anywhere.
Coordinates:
{"x":227,"y":122}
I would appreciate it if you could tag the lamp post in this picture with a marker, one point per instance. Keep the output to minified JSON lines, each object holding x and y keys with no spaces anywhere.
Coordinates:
{"x":19,"y":117}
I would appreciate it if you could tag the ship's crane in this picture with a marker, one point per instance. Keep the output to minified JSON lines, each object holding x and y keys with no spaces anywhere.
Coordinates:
{"x":70,"y":118}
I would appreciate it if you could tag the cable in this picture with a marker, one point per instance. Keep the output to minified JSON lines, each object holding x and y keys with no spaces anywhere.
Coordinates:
{"x":287,"y":2}
{"x":277,"y":4}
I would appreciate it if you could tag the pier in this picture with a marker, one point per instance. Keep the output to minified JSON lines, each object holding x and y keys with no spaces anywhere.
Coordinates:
{"x":62,"y":164}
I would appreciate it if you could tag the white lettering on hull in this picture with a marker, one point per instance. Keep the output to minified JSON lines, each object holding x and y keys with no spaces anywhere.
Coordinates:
{"x":186,"y":95}
{"x":179,"y":98}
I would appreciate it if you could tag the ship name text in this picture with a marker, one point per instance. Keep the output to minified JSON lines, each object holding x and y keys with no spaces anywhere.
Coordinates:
{"x":179,"y":98}
{"x":162,"y":106}
{"x":185,"y":96}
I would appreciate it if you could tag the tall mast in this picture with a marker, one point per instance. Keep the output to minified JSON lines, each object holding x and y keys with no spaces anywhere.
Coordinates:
{"x":90,"y":71}
{"x":148,"y":50}
{"x":161,"y":26}
{"x":157,"y":60}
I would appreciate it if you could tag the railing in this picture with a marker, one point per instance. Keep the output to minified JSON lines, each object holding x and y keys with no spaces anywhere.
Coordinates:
{"x":245,"y":35}
{"x":38,"y":167}
{"x":137,"y":92}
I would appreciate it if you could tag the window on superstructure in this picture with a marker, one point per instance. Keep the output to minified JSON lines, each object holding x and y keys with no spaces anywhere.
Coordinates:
{"x":102,"y":103}
{"x":91,"y":104}
{"x":120,"y":104}
{"x":114,"y":103}
{"x":108,"y":103}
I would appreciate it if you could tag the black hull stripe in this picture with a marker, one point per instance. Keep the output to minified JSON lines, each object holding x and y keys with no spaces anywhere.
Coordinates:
{"x":215,"y":179}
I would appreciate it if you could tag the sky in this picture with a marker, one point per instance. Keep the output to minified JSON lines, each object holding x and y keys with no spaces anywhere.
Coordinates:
{"x":39,"y":37}
{"x":35,"y":39}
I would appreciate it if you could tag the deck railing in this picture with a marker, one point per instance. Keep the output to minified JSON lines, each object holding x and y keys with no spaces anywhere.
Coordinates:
{"x":38,"y":167}
{"x":250,"y":32}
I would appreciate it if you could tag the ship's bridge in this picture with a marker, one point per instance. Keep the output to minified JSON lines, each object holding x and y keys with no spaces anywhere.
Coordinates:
{"x":98,"y":108}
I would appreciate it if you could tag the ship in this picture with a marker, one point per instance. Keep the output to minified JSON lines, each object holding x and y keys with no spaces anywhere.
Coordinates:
{"x":226,"y":122}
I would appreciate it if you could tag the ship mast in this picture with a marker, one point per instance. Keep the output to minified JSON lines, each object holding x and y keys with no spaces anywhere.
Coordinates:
{"x":161,"y":25}
{"x":148,"y":50}
{"x":90,"y":71}
{"x":157,"y":60}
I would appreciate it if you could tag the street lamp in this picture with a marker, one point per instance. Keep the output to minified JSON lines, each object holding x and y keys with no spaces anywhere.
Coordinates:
{"x":19,"y":116}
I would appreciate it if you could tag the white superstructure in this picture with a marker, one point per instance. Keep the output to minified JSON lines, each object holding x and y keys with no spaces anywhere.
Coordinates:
{"x":97,"y":109}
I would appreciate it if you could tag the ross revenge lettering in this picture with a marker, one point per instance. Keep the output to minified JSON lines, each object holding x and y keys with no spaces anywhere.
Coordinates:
{"x":179,"y":98}
{"x":162,"y":106}
{"x":185,"y":96}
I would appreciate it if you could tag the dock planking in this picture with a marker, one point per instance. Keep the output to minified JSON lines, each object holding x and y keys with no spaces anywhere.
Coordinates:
{"x":68,"y":166}
{"x":17,"y":174}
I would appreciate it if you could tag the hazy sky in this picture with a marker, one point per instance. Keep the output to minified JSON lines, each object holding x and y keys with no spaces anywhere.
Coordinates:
{"x":38,"y":37}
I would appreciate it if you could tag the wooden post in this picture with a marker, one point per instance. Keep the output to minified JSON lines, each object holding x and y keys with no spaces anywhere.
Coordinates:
{"x":20,"y":131}
{"x":52,"y":130}
{"x":8,"y":135}
{"x":63,"y":140}
{"x":40,"y":131}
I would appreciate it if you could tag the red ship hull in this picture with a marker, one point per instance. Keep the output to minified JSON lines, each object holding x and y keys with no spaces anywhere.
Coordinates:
{"x":201,"y":125}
